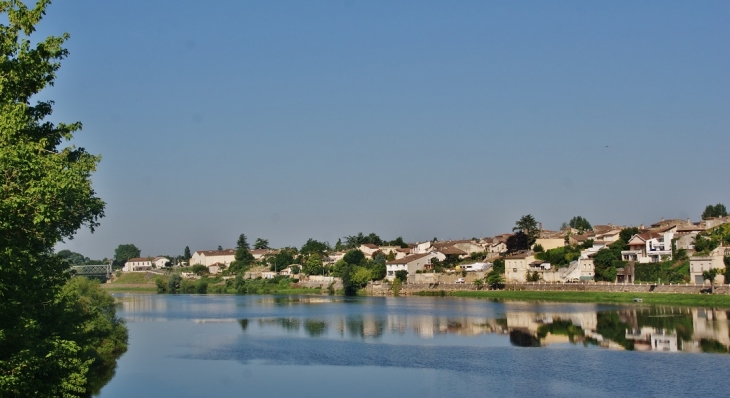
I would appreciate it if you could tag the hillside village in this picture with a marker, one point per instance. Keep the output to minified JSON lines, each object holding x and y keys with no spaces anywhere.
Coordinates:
{"x":673,"y":250}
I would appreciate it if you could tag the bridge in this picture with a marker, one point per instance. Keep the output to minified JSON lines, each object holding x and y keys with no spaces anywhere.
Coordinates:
{"x":95,"y":270}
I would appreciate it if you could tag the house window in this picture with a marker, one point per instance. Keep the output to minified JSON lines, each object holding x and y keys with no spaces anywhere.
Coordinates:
{"x":514,"y":269}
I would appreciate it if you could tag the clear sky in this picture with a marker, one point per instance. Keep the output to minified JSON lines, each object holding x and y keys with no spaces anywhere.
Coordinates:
{"x":295,"y":119}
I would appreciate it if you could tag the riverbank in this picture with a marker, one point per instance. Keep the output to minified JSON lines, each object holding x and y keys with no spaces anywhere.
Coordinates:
{"x":691,"y":300}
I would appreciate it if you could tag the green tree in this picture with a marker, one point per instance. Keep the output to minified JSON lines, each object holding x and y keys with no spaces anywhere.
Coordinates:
{"x":45,"y":197}
{"x":401,"y":275}
{"x":73,"y":258}
{"x":518,"y":242}
{"x":354,"y":257}
{"x":494,"y":279}
{"x":313,"y":246}
{"x":603,"y":263}
{"x":187,"y":253}
{"x":717,"y":210}
{"x":398,"y":242}
{"x":313,"y":265}
{"x":173,"y":284}
{"x":580,"y":223}
{"x":498,"y":265}
{"x":347,"y":284}
{"x":124,"y":252}
{"x":261,"y":244}
{"x":710,"y":275}
{"x":627,"y":233}
{"x":528,"y":225}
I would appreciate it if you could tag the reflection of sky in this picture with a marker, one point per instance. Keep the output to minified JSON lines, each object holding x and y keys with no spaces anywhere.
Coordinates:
{"x":432,"y":347}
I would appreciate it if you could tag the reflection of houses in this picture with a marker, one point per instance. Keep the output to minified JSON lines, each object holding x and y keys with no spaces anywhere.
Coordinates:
{"x":709,"y":324}
{"x":647,"y":338}
{"x":532,"y":323}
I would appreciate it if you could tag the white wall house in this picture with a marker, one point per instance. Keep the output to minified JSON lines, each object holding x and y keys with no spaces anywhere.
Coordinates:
{"x":210,"y":257}
{"x":137,"y":264}
{"x":160,"y":262}
{"x":516,"y":267}
{"x":700,"y":264}
{"x":650,"y":247}
{"x":412,"y":263}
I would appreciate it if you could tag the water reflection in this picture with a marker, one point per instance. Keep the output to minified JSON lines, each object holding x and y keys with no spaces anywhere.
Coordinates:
{"x":666,"y":329}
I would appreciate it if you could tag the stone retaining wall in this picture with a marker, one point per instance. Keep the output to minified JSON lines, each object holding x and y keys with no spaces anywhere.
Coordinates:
{"x":384,"y":289}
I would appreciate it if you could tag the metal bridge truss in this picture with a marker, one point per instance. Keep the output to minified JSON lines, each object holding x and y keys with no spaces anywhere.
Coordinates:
{"x":92,"y":270}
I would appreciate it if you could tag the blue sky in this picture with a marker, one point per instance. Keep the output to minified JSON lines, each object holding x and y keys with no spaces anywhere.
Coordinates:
{"x":290,"y":120}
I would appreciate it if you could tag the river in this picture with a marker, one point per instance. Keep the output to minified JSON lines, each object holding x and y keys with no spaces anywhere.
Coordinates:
{"x":310,"y":346}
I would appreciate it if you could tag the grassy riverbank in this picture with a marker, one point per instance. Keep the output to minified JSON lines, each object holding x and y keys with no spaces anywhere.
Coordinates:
{"x":694,"y":300}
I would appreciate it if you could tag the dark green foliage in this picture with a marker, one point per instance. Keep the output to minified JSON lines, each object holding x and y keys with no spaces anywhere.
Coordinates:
{"x":580,"y":223}
{"x":401,"y":275}
{"x":283,"y":259}
{"x":241,"y":243}
{"x":161,"y":286}
{"x":313,"y":265}
{"x":313,"y":246}
{"x":666,"y":271}
{"x":354,"y":241}
{"x":587,"y":244}
{"x":124,"y":252}
{"x":494,"y":279}
{"x":200,"y":269}
{"x":717,"y":210}
{"x":560,"y":256}
{"x":713,"y":346}
{"x":187,"y":254}
{"x":201,"y":287}
{"x":173,"y":284}
{"x":604,"y":264}
{"x":498,"y":265}
{"x":347,"y":284}
{"x":561,"y":328}
{"x":518,"y":242}
{"x":533,"y":276}
{"x":72,"y":257}
{"x":261,"y":244}
{"x":527,"y":225}
{"x":609,"y":326}
{"x":538,"y":248}
{"x":398,"y":242}
{"x":354,"y":257}
{"x":626,"y":234}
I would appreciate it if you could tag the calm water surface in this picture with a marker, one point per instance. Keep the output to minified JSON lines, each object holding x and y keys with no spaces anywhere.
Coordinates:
{"x":285,"y":346}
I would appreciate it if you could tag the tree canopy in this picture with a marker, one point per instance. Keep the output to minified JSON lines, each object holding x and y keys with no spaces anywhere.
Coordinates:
{"x":528,"y":225}
{"x":580,"y":223}
{"x":46,"y":195}
{"x":717,"y":210}
{"x":126,"y":251}
{"x":261,"y":244}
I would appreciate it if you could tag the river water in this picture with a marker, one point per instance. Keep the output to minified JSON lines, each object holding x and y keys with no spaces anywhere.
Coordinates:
{"x":311,"y":346}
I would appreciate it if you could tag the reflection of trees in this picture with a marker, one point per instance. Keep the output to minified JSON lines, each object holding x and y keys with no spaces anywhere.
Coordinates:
{"x":666,"y":319}
{"x":315,"y":327}
{"x":560,"y":327}
{"x":610,"y":327}
{"x":710,"y":345}
{"x":243,"y":323}
{"x":355,"y":326}
{"x":523,"y":338}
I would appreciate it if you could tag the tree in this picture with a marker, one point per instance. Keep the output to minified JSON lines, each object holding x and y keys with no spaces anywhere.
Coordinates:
{"x":401,"y":275}
{"x":124,"y":252}
{"x":313,"y":246}
{"x":580,"y":223}
{"x":73,"y":258}
{"x":354,"y":257}
{"x":603,"y":263}
{"x":717,"y":210}
{"x":45,"y":197}
{"x":528,"y":225}
{"x":518,"y":242}
{"x":627,"y":233}
{"x":313,"y":265}
{"x":347,"y":284}
{"x":261,"y":244}
{"x":398,"y":242}
{"x":494,"y":280}
{"x":710,"y":275}
{"x":242,"y":242}
{"x":220,"y":247}
{"x":187,"y":253}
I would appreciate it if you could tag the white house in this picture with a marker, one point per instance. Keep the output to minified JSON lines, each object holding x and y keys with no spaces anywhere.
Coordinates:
{"x":210,"y":257}
{"x":412,"y":263}
{"x":517,"y":266}
{"x":137,"y":264}
{"x":650,"y":247}
{"x":160,"y":262}
{"x":699,"y":264}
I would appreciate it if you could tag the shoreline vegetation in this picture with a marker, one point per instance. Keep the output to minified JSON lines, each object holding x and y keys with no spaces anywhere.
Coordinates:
{"x":140,"y":283}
